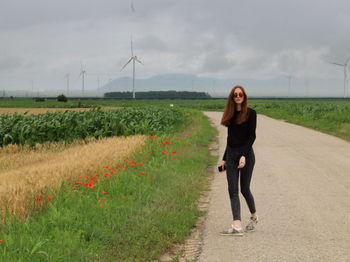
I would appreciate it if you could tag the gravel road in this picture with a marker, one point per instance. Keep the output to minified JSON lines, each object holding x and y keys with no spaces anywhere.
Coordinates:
{"x":301,"y":185}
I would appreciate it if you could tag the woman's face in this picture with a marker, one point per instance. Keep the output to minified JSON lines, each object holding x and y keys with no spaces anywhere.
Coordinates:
{"x":238,"y":96}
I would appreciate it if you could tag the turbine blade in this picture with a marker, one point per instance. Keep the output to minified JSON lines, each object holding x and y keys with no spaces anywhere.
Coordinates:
{"x":337,"y":64}
{"x":138,"y":60}
{"x":132,"y":7}
{"x":347,"y":61}
{"x":126,"y":63}
{"x":132,"y":50}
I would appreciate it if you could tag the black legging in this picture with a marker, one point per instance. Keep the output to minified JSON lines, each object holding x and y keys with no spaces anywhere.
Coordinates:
{"x":232,"y":159}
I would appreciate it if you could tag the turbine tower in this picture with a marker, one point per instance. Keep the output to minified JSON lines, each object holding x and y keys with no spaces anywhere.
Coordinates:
{"x":289,"y":84}
{"x":82,"y":74}
{"x":345,"y":65}
{"x":133,"y":59}
{"x":67,"y":76}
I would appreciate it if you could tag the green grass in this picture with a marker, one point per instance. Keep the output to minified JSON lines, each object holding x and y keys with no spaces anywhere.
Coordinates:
{"x":210,"y":104}
{"x":328,"y":116}
{"x":144,"y":215}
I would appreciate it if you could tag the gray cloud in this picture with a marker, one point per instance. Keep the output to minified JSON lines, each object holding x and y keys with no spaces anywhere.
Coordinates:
{"x":9,"y":63}
{"x":256,"y":39}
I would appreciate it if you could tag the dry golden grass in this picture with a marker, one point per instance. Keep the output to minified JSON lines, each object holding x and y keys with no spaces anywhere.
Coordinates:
{"x":32,"y":111}
{"x":24,"y":171}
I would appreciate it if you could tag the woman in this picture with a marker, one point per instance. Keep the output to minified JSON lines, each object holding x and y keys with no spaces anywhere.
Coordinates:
{"x":239,"y":157}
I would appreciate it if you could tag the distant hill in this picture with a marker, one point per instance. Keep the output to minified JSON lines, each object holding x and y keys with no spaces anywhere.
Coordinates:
{"x":165,"y":82}
{"x":279,"y":86}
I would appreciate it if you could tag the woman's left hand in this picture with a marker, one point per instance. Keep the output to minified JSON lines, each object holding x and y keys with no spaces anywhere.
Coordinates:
{"x":241,"y":163}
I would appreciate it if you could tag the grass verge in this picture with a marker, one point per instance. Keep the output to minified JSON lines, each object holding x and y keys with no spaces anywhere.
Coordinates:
{"x":134,"y":211}
{"x":328,"y":116}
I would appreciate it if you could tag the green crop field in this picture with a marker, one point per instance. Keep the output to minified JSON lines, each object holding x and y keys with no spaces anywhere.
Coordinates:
{"x":70,"y":125}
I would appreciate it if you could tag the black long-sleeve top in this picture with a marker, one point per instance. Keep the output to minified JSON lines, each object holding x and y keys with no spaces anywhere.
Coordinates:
{"x":241,"y":137}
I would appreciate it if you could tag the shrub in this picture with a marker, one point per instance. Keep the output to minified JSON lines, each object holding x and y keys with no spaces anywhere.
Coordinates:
{"x":62,"y":98}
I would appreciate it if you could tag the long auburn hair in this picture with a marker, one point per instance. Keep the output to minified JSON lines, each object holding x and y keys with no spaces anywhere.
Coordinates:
{"x":230,"y":108}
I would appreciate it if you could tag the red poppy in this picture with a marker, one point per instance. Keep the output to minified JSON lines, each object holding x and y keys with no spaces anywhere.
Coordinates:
{"x":1,"y":241}
{"x":49,"y":198}
{"x":103,"y":192}
{"x":39,"y":199}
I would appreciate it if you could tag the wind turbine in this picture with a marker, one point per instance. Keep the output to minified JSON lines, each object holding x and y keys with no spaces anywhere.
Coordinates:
{"x":132,"y":7}
{"x":67,"y":76}
{"x":344,"y":66}
{"x":289,"y":84}
{"x":133,"y":59}
{"x":82,"y":74}
{"x":289,"y":77}
{"x":98,"y":82}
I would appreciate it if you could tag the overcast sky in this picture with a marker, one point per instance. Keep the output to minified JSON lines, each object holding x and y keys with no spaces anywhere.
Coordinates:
{"x":42,"y":40}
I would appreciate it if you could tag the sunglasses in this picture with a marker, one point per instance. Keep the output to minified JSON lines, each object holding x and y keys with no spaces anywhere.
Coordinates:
{"x":238,"y":95}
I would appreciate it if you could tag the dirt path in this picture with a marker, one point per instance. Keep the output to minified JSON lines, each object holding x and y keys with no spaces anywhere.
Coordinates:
{"x":301,"y":184}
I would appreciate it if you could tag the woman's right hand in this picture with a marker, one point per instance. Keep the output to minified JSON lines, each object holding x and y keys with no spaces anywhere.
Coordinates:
{"x":222,"y":163}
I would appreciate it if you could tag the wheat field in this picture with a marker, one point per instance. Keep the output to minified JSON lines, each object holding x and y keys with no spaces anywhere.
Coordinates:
{"x":24,"y":171}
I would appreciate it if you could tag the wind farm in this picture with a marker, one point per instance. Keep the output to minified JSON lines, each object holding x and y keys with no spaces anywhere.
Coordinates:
{"x":132,"y":59}
{"x":345,"y":68}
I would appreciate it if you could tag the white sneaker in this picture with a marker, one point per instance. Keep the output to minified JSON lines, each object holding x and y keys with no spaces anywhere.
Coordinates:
{"x":232,"y":232}
{"x":251,"y":225}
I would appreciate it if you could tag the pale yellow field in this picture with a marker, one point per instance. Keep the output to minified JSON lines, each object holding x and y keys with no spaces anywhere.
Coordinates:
{"x":31,"y":111}
{"x":24,"y":171}
{"x":38,"y":110}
